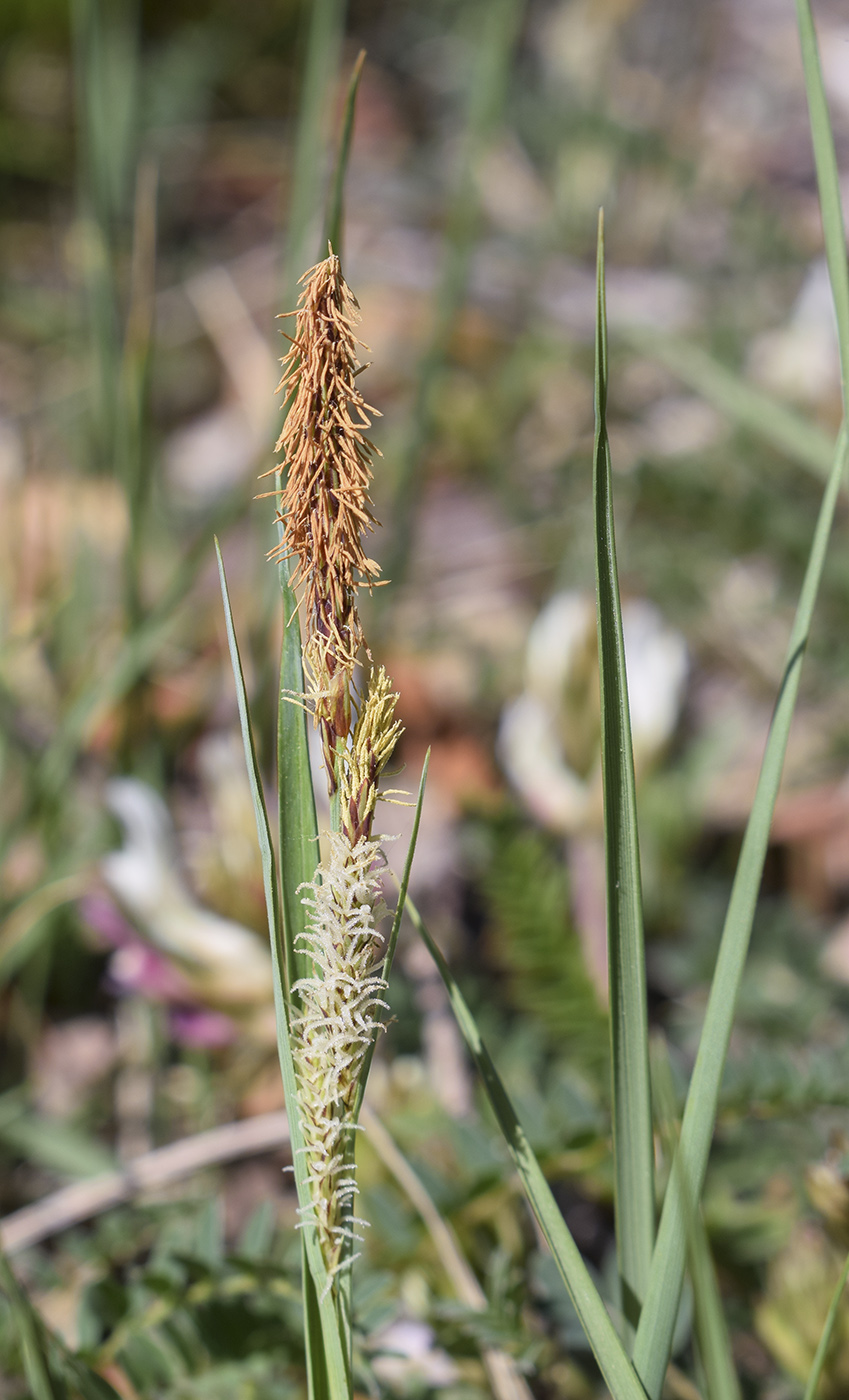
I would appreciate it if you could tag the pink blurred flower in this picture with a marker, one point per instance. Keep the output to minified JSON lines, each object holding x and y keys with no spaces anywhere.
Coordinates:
{"x":136,"y":969}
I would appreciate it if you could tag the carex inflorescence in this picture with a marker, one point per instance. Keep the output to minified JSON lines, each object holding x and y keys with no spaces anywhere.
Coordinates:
{"x":325,"y":512}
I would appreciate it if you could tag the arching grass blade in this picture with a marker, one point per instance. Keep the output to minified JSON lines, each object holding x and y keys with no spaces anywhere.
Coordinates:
{"x":827,"y":1333}
{"x":654,"y":1334}
{"x":742,"y":402}
{"x":828,"y":186}
{"x":30,"y":1334}
{"x":396,"y":922}
{"x":651,"y":1349}
{"x":600,"y":1332}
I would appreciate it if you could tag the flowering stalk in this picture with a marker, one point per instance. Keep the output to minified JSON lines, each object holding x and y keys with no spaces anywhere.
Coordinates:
{"x":325,"y":511}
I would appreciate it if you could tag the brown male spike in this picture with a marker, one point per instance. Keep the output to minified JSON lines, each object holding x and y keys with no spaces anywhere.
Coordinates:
{"x":325,"y":507}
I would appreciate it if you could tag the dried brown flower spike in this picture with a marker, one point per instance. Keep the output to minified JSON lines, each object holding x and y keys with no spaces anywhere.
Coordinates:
{"x":325,"y":508}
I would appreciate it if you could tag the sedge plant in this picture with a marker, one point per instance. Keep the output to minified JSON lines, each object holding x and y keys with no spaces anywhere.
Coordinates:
{"x":652,"y":1264}
{"x":330,"y":946}
{"x":652,"y":1268}
{"x":330,"y":958}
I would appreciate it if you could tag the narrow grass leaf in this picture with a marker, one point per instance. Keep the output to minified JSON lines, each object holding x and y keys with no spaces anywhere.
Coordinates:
{"x":498,"y":26}
{"x":654,"y":1334}
{"x":396,"y":925}
{"x":105,"y":40}
{"x":29,"y":924}
{"x":828,"y":184}
{"x":505,"y":1379}
{"x":31,"y":1337}
{"x":633,"y":1147}
{"x":82,"y":1378}
{"x":208,"y":1242}
{"x":600,"y":1332}
{"x":324,"y":38}
{"x":257,"y":1234}
{"x":741,"y":402}
{"x":299,"y":852}
{"x":110,"y":684}
{"x":269,"y":871}
{"x":827,"y":1334}
{"x":405,"y":879}
{"x":133,"y":459}
{"x":58,"y":1146}
{"x":318,"y":1383}
{"x":711,"y":1329}
{"x":335,"y":224}
{"x":651,"y":1349}
{"x":331,"y":1342}
{"x":714,"y":1343}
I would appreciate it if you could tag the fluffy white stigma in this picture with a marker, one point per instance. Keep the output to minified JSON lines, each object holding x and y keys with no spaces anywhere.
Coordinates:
{"x":336,"y":1026}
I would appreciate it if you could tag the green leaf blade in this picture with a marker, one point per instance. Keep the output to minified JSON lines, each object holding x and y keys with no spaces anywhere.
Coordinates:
{"x":332,"y":1341}
{"x":654,"y":1334}
{"x":827,"y":1333}
{"x":326,"y":23}
{"x":651,"y":1349}
{"x":739,"y":400}
{"x":31,"y":1336}
{"x":334,"y":227}
{"x":632,"y":1117}
{"x":711,"y":1329}
{"x":714,"y":1343}
{"x":299,"y":852}
{"x":828,"y":185}
{"x":609,"y":1352}
{"x":498,"y":24}
{"x":392,"y":940}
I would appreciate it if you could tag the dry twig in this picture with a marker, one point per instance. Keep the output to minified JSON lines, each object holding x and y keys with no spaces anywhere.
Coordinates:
{"x":162,"y":1167}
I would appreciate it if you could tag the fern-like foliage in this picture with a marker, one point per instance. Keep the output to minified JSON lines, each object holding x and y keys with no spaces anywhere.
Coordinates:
{"x":533,"y":938}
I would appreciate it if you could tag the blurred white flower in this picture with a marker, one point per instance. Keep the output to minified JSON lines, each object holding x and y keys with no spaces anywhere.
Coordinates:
{"x":800,"y":359}
{"x":405,"y":1357}
{"x":226,"y":963}
{"x":549,"y":736}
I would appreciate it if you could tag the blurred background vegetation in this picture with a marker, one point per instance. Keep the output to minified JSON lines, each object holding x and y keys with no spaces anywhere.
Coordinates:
{"x":163,"y":172}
